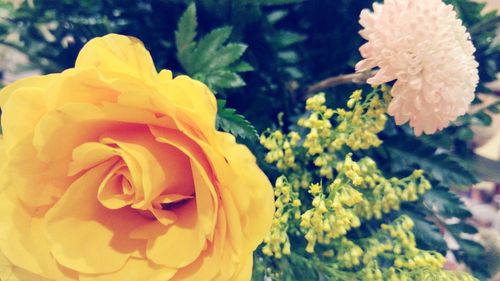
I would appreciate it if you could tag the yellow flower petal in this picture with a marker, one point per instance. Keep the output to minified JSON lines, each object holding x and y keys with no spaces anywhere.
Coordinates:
{"x":196,"y":106}
{"x":134,"y":269}
{"x":182,"y":242}
{"x":245,"y":271}
{"x":11,"y":272}
{"x":90,"y":238}
{"x":24,"y":245}
{"x":117,"y":54}
{"x":202,"y":173}
{"x":22,"y":106}
{"x":250,"y":189}
{"x":210,"y":262}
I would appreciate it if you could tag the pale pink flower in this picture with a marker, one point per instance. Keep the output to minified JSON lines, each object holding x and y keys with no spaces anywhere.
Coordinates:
{"x":424,"y":46}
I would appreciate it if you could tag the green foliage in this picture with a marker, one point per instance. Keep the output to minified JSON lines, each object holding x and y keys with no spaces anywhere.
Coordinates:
{"x":230,"y":121}
{"x":216,"y":64}
{"x":438,"y":210}
{"x":210,"y":60}
{"x":485,"y":168}
{"x":427,"y":233}
{"x":358,"y":223}
{"x":482,"y":27}
{"x":291,"y":268}
{"x":409,"y":152}
{"x":186,"y":32}
{"x":439,"y":156}
{"x":445,"y":203}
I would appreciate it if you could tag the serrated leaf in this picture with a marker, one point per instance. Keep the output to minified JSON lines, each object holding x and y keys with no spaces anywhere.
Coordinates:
{"x":461,"y":228}
{"x":230,"y":121}
{"x":224,"y":80}
{"x":409,"y":153}
{"x":206,"y":50}
{"x":475,"y":263}
{"x":441,"y":201}
{"x":469,"y":253}
{"x":471,"y":247}
{"x":227,"y":55}
{"x":210,"y":60}
{"x":427,"y":233}
{"x":186,"y":32}
{"x":242,"y":66}
{"x":301,"y":268}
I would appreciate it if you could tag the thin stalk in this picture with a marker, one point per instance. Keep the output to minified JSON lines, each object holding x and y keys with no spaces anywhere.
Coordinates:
{"x":352,"y":78}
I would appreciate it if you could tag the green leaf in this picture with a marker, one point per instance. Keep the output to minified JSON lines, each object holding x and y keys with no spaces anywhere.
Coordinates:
{"x":284,"y":39}
{"x":185,"y":34}
{"x":486,"y":169}
{"x":242,"y":67}
{"x":407,"y":152}
{"x":227,"y":55}
{"x":294,"y":72}
{"x":472,"y":254}
{"x":469,"y":11}
{"x":206,"y":50}
{"x":440,"y":200}
{"x":302,"y":268}
{"x":465,"y":134}
{"x":276,"y":16}
{"x":462,"y":228}
{"x":440,"y":204}
{"x":210,"y":60}
{"x":224,"y":80}
{"x":290,"y":57}
{"x":259,"y":267}
{"x":427,"y":233}
{"x":234,"y":123}
{"x":494,"y":108}
{"x":483,"y":118}
{"x":471,"y":247}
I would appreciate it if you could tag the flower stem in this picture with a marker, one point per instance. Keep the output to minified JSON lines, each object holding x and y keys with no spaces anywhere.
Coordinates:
{"x":352,"y":78}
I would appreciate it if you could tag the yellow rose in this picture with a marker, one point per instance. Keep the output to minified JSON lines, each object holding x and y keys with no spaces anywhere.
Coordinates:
{"x":112,"y":171}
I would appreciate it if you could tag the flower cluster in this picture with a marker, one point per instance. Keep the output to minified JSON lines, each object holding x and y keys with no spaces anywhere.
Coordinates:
{"x":356,"y":127}
{"x":287,"y":203}
{"x":394,"y":245}
{"x":359,"y":191}
{"x":281,"y":149}
{"x":385,"y":194}
{"x":425,"y":47}
{"x":328,"y":190}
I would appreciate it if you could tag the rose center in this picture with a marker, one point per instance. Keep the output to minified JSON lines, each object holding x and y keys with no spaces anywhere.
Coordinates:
{"x":175,"y":205}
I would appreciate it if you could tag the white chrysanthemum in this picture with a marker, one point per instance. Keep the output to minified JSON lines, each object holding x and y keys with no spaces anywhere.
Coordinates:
{"x":424,"y":46}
